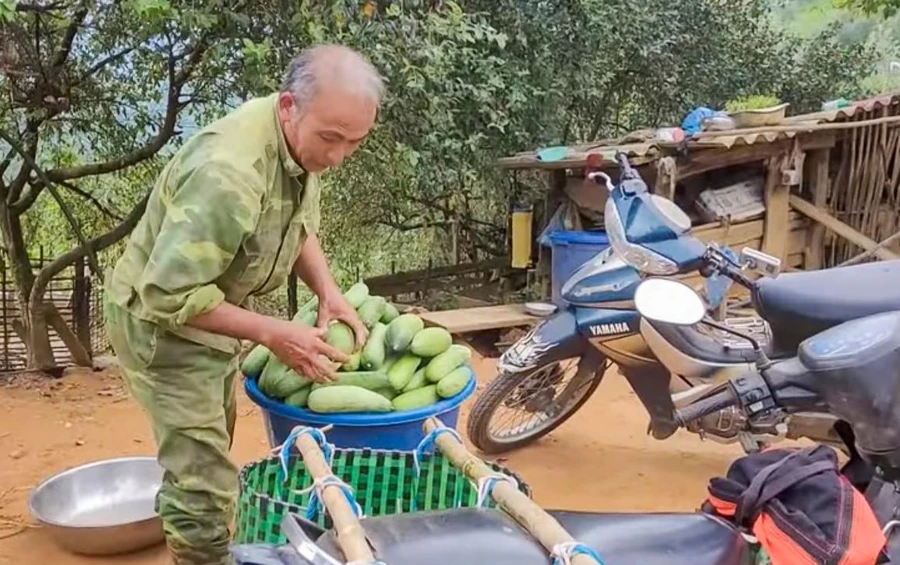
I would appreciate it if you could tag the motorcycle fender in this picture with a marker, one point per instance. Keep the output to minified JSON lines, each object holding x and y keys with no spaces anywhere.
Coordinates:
{"x":554,"y":339}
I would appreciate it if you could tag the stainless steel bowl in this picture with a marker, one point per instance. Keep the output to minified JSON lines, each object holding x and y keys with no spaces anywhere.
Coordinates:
{"x":102,"y":508}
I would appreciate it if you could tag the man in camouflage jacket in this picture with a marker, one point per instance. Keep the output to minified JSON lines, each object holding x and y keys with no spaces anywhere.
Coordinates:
{"x":233,"y":212}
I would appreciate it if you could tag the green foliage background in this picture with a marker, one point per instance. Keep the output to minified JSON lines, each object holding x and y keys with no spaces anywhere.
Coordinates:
{"x":469,"y":81}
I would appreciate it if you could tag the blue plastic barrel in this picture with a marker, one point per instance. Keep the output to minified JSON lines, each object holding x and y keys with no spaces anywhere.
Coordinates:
{"x":390,"y":430}
{"x":571,"y":250}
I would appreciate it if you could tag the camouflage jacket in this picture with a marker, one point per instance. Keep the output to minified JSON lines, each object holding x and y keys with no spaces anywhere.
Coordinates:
{"x":225,"y":221}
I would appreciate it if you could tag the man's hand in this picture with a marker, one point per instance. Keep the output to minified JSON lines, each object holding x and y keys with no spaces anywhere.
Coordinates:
{"x":305,"y":351}
{"x":333,"y":306}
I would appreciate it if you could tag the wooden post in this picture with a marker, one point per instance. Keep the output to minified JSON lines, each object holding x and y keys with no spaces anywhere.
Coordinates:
{"x":523,"y":510}
{"x":666,"y":178}
{"x":5,"y":305}
{"x":558,"y":181}
{"x":819,"y":186}
{"x":777,"y":223}
{"x":454,"y":235}
{"x":88,"y":336}
{"x":426,"y":286}
{"x":292,"y":295}
{"x":81,"y":306}
{"x":350,"y":535}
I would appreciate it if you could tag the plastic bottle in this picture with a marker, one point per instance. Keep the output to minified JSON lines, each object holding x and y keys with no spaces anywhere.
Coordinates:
{"x":835,"y":104}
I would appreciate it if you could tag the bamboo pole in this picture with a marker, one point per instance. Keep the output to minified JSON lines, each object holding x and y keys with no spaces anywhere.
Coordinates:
{"x":840,"y":228}
{"x":522,"y":509}
{"x":869,"y":252}
{"x":351,"y":537}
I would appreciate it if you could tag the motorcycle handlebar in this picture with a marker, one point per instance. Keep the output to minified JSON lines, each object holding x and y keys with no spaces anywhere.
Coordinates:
{"x":625,"y":168}
{"x":705,"y":407}
{"x":714,"y":263}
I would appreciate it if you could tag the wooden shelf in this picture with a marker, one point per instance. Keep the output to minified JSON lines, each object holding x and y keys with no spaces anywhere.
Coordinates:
{"x":466,"y":320}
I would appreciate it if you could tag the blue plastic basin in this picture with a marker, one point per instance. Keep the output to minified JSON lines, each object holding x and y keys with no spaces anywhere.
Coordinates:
{"x":571,"y":250}
{"x":390,"y":430}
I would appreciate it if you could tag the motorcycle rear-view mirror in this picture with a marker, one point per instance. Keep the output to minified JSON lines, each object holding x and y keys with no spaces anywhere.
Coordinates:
{"x":669,"y":301}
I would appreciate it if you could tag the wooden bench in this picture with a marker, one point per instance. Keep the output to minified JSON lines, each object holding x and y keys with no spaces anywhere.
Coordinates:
{"x":482,"y":318}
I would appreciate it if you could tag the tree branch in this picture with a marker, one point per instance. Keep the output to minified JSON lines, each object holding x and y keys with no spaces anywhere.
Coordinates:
{"x":173,"y":107}
{"x":405,"y":226}
{"x":32,"y":165}
{"x":91,"y":247}
{"x":41,"y":9}
{"x":65,"y":47}
{"x":98,"y":66}
{"x":92,"y":199}
{"x":7,"y":161}
{"x":28,"y":155}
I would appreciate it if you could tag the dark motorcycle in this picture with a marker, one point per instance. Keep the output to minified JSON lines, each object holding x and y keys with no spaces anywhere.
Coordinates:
{"x":545,"y":377}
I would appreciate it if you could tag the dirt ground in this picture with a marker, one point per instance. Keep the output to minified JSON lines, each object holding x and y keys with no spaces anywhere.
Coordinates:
{"x":601,"y":459}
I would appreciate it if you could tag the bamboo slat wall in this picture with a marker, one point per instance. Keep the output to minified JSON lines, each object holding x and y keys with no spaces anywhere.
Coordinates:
{"x":865,"y":185}
{"x":62,"y":292}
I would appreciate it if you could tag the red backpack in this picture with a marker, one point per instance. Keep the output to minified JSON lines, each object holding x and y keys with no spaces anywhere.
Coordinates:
{"x":799,"y":507}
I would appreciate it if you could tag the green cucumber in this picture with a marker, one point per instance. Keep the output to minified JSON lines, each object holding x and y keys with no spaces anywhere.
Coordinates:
{"x":357,"y":294}
{"x":419,"y":398}
{"x":353,"y":363}
{"x":390,"y":314}
{"x":373,"y":351}
{"x":253,"y":364}
{"x":371,"y":310}
{"x":370,"y":380}
{"x":311,"y":305}
{"x":280,"y":381}
{"x":340,"y":336}
{"x":417,"y":381}
{"x":403,"y":370}
{"x":401,"y":331}
{"x":431,"y":342}
{"x":342,"y":398}
{"x":454,"y":382}
{"x":387,"y":392}
{"x":299,"y":398}
{"x":389,"y":360}
{"x":441,"y":366}
{"x":306,"y":318}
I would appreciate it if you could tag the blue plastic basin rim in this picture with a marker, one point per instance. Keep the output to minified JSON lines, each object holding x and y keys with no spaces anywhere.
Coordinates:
{"x":361,"y":419}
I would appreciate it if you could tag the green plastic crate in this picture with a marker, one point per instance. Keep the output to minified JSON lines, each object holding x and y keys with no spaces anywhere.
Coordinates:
{"x":383,"y":483}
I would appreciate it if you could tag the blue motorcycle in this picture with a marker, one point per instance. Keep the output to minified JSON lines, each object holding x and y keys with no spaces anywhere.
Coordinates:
{"x":552,"y":371}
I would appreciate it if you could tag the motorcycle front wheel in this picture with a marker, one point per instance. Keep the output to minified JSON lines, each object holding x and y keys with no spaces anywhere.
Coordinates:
{"x":533,"y":394}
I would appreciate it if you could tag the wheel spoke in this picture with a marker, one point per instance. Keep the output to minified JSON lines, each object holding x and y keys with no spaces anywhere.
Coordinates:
{"x":525,"y":412}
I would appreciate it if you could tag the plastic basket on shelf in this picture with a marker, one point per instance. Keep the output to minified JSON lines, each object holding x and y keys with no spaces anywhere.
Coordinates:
{"x":383,"y":483}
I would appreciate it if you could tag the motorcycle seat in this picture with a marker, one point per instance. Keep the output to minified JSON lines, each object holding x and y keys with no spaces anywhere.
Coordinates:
{"x":476,"y":536}
{"x":799,"y":305}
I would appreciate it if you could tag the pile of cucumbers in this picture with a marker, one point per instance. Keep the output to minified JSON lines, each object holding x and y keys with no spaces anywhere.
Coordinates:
{"x":402,"y":366}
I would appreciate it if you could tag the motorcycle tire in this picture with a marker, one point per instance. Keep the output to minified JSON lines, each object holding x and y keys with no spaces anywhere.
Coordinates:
{"x":497,"y":392}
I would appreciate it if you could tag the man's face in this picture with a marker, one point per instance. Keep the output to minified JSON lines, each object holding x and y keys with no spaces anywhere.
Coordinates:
{"x":328,"y":129}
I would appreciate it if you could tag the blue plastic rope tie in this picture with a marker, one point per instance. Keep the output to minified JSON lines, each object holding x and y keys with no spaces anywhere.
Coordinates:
{"x":563,"y":553}
{"x":486,"y":486}
{"x":314,"y":499}
{"x":285,"y":448}
{"x":427,"y":442}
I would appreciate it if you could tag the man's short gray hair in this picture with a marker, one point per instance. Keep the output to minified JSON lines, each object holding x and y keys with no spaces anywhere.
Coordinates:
{"x":337,"y":63}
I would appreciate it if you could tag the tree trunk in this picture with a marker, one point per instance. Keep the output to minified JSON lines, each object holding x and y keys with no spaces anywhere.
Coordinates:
{"x":37,"y":337}
{"x":40,"y":352}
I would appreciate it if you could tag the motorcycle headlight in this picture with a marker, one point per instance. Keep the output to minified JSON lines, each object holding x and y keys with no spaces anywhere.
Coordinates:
{"x":638,"y":257}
